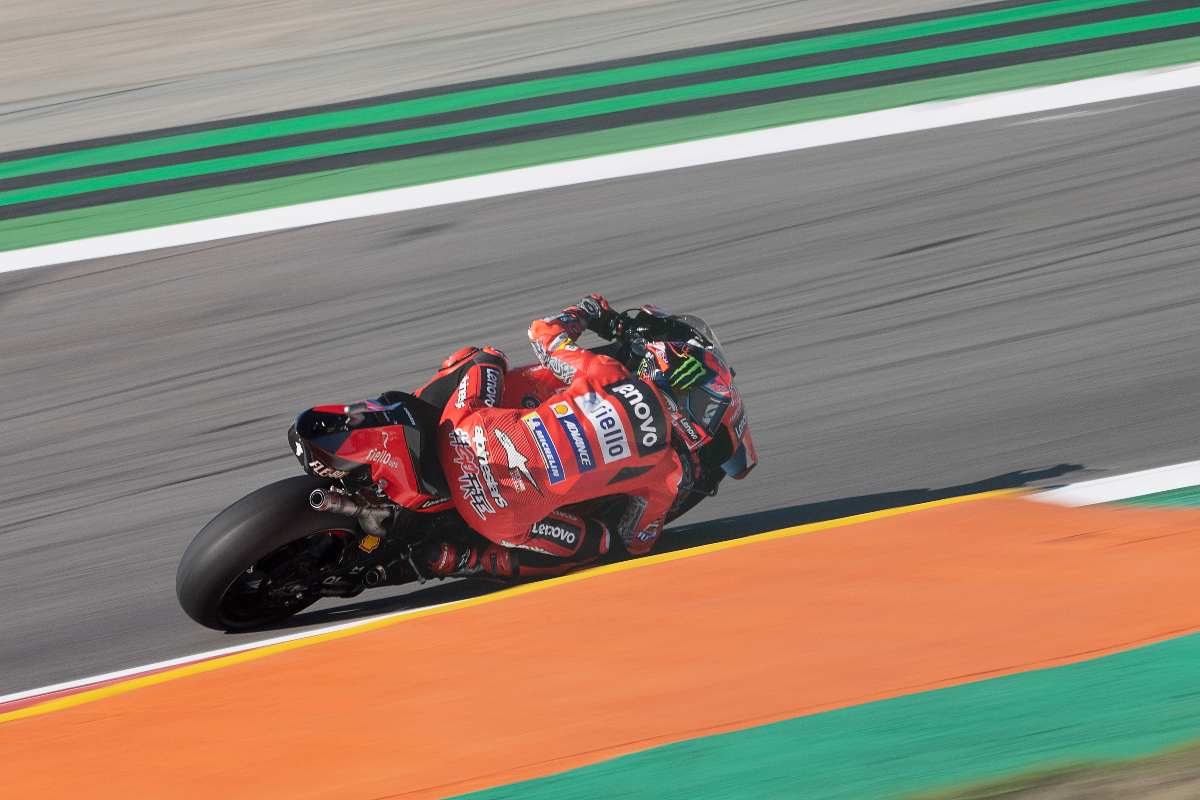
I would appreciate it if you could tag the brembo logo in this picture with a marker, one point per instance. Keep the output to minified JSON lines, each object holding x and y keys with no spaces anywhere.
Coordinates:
{"x":645,"y":414}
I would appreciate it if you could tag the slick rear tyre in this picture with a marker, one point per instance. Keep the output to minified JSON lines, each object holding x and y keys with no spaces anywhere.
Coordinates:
{"x":211,"y":576}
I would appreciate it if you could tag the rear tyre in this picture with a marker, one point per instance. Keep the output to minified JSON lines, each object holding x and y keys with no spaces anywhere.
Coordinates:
{"x":250,"y":565}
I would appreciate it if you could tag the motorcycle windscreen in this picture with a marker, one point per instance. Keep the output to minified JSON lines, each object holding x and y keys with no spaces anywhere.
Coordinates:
{"x":744,"y":457}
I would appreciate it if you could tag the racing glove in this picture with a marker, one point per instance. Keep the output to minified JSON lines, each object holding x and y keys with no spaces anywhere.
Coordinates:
{"x":597,"y":315}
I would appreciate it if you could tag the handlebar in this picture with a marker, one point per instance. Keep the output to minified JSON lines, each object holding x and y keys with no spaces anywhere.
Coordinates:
{"x":636,"y":325}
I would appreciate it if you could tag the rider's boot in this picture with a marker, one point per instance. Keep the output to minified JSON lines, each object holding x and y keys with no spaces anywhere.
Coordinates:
{"x":449,"y":559}
{"x":561,"y":543}
{"x":552,"y":555}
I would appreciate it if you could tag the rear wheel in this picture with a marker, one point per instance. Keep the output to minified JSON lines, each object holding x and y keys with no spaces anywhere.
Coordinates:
{"x":262,"y":559}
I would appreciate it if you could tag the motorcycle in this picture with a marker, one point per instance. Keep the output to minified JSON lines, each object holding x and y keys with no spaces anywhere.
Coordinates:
{"x":372,"y":494}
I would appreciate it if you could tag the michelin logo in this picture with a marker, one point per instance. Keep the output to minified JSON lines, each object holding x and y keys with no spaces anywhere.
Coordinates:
{"x":545,"y":445}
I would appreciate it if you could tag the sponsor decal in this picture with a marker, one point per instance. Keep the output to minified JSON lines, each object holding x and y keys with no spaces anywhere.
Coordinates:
{"x":369,"y":543}
{"x":555,"y":530}
{"x":518,"y":464}
{"x":689,"y":430}
{"x":545,"y":445}
{"x":529,"y":401}
{"x":606,"y":422}
{"x":383,"y":457}
{"x":484,"y":460}
{"x":460,"y":399}
{"x":672,"y":406}
{"x":632,"y":518}
{"x":739,"y":427}
{"x":491,"y":386}
{"x":322,"y":471}
{"x":470,"y":484}
{"x":645,"y":414}
{"x":650,"y":533}
{"x":575,"y":435}
{"x":560,"y":369}
{"x":710,"y":413}
{"x":687,"y":374}
{"x":434,"y":501}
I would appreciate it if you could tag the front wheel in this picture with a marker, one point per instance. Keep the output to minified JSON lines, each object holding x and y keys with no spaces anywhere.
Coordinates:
{"x":261,"y":560}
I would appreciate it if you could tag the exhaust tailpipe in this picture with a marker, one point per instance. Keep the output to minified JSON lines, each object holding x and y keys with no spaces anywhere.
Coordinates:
{"x":371,"y":518}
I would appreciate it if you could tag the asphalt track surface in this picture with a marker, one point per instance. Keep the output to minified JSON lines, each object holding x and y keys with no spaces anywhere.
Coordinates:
{"x":76,"y":68}
{"x":962,"y":309}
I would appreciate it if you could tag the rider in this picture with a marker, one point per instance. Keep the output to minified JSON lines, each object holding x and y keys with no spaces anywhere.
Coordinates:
{"x":647,"y":442}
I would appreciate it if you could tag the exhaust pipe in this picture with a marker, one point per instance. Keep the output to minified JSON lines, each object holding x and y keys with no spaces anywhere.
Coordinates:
{"x":371,"y":518}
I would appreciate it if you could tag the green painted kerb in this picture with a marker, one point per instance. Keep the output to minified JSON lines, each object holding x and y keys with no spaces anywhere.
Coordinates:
{"x":215,"y":202}
{"x":543,"y":87}
{"x":1187,"y":497}
{"x":1126,"y":705}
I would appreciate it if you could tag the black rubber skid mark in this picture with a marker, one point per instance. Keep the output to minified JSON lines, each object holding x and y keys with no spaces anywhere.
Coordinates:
{"x":598,"y":122}
{"x":346,"y":105}
{"x":598,"y":93}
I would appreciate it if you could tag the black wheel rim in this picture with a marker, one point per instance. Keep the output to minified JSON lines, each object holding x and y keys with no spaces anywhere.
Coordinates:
{"x":282,"y":582}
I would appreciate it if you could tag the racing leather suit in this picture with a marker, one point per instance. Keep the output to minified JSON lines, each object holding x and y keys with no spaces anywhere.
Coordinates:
{"x":511,"y":470}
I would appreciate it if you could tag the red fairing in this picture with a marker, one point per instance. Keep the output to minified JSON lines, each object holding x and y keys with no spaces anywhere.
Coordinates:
{"x":582,"y":427}
{"x":384,"y":449}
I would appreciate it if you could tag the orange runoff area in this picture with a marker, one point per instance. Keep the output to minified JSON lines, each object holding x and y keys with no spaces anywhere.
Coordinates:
{"x":586,"y":670}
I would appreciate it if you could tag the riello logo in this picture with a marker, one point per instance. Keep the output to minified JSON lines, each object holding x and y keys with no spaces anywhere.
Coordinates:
{"x":383,"y":457}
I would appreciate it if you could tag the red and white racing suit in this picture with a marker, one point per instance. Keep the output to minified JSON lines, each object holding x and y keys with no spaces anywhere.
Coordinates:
{"x":592,"y":430}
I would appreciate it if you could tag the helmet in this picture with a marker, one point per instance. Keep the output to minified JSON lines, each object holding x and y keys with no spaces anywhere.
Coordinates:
{"x":706,"y":408}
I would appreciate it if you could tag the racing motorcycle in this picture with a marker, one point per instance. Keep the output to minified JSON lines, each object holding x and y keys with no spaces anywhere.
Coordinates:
{"x":372,"y":494}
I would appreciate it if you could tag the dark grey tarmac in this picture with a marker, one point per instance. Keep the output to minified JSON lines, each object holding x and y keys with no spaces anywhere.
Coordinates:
{"x":77,"y":69}
{"x":968,"y":308}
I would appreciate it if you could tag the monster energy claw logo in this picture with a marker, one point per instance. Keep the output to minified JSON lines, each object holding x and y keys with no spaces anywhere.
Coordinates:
{"x":687,"y":374}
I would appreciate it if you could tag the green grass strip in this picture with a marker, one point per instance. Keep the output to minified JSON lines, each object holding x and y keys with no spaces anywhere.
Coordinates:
{"x":607,"y":105}
{"x":536,"y":88}
{"x":1188,"y":497}
{"x":1126,"y":705}
{"x":1179,"y":764}
{"x":225,"y":200}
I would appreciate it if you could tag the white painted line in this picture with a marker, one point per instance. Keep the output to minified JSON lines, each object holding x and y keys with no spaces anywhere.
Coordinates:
{"x":1123,"y":487}
{"x":175,"y":662}
{"x":908,"y":119}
